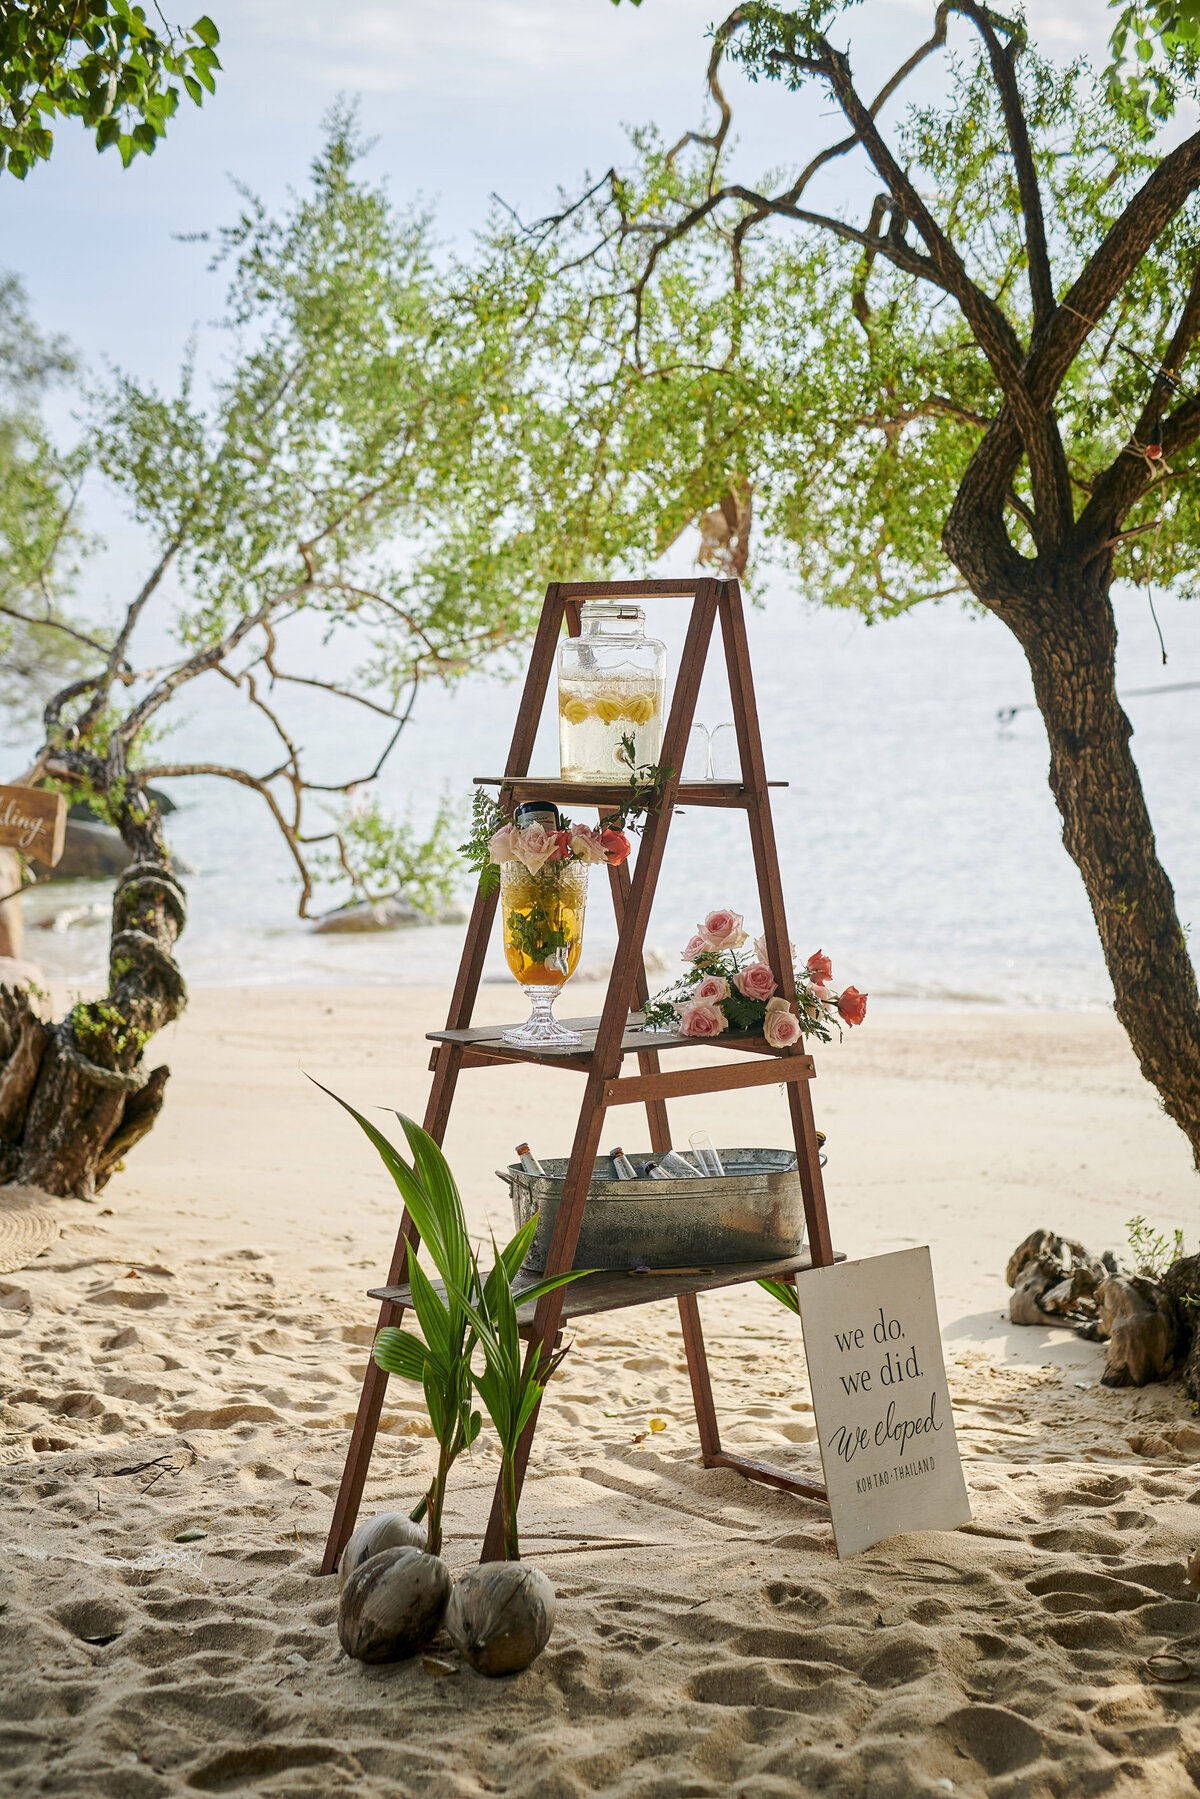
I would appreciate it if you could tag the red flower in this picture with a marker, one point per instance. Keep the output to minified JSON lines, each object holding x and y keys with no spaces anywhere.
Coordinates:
{"x":563,"y":851}
{"x":852,"y":1005}
{"x":820,"y":968}
{"x":615,"y":844}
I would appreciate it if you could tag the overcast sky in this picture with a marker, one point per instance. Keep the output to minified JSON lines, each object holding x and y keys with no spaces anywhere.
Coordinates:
{"x":465,"y":97}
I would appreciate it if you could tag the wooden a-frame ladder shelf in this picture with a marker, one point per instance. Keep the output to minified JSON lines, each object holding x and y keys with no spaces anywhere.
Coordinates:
{"x":617,"y":1034}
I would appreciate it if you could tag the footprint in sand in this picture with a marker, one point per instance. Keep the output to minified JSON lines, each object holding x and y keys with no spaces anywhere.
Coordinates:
{"x":136,"y":1296}
{"x":1080,"y":1590}
{"x":1077,"y":1539}
{"x":1094,"y":1631}
{"x":93,"y":1619}
{"x":998,"y":1741}
{"x":796,"y":1596}
{"x":906,"y":1658}
{"x":788,"y":1686}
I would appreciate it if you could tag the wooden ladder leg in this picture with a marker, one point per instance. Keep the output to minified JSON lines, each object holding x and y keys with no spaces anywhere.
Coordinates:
{"x":808,"y":1164}
{"x":689,"y":1310}
{"x":770,"y":893}
{"x":447,"y":1063}
{"x":702,"y":1393}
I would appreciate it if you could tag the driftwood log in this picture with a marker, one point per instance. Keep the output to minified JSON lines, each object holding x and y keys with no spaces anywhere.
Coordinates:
{"x":1055,"y":1280}
{"x":1151,"y":1327}
{"x":1137,"y":1320}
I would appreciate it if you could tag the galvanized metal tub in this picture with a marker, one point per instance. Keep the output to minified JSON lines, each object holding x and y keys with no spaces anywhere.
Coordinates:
{"x":753,"y":1213}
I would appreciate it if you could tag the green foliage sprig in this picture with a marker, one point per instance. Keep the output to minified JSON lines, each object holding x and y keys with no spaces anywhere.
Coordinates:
{"x":487,"y":817}
{"x":1155,"y":50}
{"x":1152,"y":1253}
{"x":646,"y":783}
{"x":100,"y":62}
{"x":381,"y":855}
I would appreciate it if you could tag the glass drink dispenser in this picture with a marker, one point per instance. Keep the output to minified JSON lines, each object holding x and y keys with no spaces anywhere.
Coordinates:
{"x":612,"y":683}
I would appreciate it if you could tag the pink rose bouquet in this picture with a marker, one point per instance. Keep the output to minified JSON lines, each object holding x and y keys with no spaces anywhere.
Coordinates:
{"x":496,"y":838}
{"x":729,"y":988}
{"x":535,"y":847}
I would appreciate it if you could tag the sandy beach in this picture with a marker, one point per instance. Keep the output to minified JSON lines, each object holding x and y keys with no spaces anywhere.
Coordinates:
{"x":188,"y":1353}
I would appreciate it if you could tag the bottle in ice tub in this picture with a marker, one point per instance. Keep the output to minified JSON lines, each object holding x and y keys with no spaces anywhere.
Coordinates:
{"x":612,"y":684}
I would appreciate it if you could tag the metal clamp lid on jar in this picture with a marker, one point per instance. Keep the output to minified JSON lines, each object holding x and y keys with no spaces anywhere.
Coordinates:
{"x":597,"y":611}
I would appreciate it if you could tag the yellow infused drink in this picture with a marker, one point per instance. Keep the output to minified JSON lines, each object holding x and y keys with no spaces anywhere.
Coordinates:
{"x":612,"y":683}
{"x":543,"y":921}
{"x":596,"y":718}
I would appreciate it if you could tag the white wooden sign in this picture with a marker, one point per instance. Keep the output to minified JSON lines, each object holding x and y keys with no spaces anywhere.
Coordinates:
{"x":880,"y":1399}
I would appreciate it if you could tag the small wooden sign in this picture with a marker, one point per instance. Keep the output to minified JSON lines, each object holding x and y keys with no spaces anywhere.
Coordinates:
{"x":880,"y":1399}
{"x":33,"y":822}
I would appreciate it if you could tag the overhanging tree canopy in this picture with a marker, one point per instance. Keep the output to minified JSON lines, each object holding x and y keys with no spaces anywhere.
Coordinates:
{"x":345,"y":467}
{"x":979,"y":383}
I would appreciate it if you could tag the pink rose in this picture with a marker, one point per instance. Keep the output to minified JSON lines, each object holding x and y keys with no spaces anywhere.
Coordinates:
{"x":535,"y":846}
{"x":712,"y":988}
{"x":760,"y":950}
{"x":701,"y":1018}
{"x":755,"y":981}
{"x":586,"y":843}
{"x":723,"y":929}
{"x":852,"y":1005}
{"x":781,"y":1028}
{"x":695,"y":946}
{"x":819,"y":968}
{"x":502,"y":843}
{"x":616,"y":846}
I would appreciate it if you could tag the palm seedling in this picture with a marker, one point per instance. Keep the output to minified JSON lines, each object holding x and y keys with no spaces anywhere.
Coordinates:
{"x":441,"y":1364}
{"x":513,"y":1379}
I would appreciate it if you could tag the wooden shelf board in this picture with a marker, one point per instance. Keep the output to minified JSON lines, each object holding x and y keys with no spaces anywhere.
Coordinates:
{"x":611,"y":1290}
{"x":487,"y":1040}
{"x":611,"y":795}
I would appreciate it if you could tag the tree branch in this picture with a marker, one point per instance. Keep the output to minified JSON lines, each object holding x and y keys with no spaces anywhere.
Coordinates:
{"x":1041,"y":281}
{"x":1118,"y":489}
{"x":55,"y":624}
{"x":116,"y":655}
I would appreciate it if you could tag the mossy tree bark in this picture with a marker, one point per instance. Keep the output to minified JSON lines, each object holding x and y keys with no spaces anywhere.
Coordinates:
{"x":76,"y":1096}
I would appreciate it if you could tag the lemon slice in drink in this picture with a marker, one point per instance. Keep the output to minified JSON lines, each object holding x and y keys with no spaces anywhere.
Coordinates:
{"x":640,"y":709}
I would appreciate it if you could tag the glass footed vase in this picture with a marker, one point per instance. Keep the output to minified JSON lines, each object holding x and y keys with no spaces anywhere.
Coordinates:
{"x":542,"y":916}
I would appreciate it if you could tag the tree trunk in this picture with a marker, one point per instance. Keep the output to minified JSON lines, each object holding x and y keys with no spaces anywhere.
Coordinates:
{"x":1068,"y":633}
{"x":1181,"y":1283}
{"x":76,"y":1096}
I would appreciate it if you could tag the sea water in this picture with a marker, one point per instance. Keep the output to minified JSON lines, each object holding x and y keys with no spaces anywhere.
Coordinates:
{"x":919,"y":843}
